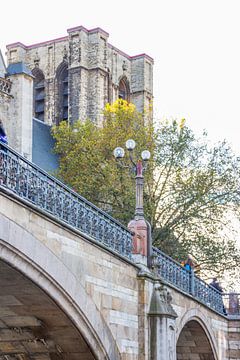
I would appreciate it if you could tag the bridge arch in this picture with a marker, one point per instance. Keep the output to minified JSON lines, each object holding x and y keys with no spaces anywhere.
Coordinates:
{"x":25,"y":253}
{"x":195,"y":336}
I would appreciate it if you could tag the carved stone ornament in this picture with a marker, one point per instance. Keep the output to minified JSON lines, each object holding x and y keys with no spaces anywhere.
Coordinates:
{"x":65,"y":53}
{"x":75,"y":49}
{"x":5,"y":85}
{"x":36,"y":59}
{"x":161,"y":302}
{"x":124,"y":65}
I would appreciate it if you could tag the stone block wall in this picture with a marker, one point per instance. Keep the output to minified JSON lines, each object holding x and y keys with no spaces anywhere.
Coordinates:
{"x":234,"y":339}
{"x":16,"y":111}
{"x":110,"y":282}
{"x":119,"y":293}
{"x":95,"y":70}
{"x":6,"y":98}
{"x":19,"y":123}
{"x":212,"y":325}
{"x":6,"y":101}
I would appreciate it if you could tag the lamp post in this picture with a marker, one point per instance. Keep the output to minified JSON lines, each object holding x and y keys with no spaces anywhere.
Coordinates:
{"x":139,"y":167}
{"x":139,"y":226}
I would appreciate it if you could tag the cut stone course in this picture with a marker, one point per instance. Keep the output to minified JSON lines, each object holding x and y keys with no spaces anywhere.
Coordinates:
{"x":85,"y":294}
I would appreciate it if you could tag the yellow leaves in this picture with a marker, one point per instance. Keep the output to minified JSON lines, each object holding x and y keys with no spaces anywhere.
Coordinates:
{"x":120,"y":105}
{"x":109,"y":108}
{"x":87,"y":162}
{"x":182,"y":123}
{"x":177,"y":123}
{"x":150,"y":106}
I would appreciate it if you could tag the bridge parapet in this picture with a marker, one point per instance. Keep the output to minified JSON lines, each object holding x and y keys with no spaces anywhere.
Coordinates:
{"x":172,"y":272}
{"x":112,"y":293}
{"x":48,"y":194}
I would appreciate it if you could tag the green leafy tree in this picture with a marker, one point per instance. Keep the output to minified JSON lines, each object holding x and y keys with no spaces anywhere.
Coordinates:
{"x":193,"y":203}
{"x":191,"y":189}
{"x":86,"y":157}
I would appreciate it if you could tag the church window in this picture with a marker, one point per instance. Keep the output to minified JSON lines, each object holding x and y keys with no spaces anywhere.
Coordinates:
{"x":65,"y":96}
{"x":123,"y":90}
{"x":62,"y":76}
{"x":39,"y":94}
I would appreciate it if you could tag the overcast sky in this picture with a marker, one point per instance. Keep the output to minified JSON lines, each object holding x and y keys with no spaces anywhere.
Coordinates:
{"x":195,"y":45}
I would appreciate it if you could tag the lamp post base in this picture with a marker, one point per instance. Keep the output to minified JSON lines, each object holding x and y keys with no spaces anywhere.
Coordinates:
{"x":139,"y":229}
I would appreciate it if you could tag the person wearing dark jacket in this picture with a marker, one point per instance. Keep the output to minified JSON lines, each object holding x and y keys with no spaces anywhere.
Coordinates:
{"x":3,"y":135}
{"x":216,"y":285}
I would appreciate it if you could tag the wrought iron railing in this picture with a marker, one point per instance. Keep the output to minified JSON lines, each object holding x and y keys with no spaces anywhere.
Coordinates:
{"x":208,"y":295}
{"x":171,"y":271}
{"x":45,"y":192}
{"x":185,"y":280}
{"x":31,"y":183}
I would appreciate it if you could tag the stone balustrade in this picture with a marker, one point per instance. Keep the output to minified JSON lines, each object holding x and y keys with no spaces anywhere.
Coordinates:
{"x":5,"y":86}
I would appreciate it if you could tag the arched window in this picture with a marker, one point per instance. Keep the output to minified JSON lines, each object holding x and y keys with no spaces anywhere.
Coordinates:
{"x":62,"y":80}
{"x":38,"y":93}
{"x":123,"y":89}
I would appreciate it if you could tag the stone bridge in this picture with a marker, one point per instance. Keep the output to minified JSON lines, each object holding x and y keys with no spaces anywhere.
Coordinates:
{"x":70,"y":287}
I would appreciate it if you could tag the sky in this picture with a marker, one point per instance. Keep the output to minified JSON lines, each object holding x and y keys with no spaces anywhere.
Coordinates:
{"x":195,"y":45}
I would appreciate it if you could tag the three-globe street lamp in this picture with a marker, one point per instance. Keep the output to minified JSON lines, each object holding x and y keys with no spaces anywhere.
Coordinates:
{"x":138,"y":167}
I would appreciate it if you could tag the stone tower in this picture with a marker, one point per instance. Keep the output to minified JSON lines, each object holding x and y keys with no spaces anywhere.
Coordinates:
{"x":16,"y":89}
{"x":5,"y":92}
{"x":69,"y":78}
{"x":76,"y":75}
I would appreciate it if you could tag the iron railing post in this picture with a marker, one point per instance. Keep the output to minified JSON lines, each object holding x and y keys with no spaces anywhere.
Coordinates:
{"x":192,"y":282}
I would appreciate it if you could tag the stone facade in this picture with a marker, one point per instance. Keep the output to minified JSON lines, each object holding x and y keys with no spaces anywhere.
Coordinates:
{"x":2,"y":66}
{"x":115,"y":304}
{"x":93,"y":70}
{"x":234,"y":339}
{"x":5,"y":92}
{"x":69,"y":78}
{"x":103,"y":287}
{"x":5,"y":99}
{"x":19,"y":124}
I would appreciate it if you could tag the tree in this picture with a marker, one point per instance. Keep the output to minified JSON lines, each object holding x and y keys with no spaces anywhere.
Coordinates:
{"x":86,"y":157}
{"x":194,"y":197}
{"x":190,"y":188}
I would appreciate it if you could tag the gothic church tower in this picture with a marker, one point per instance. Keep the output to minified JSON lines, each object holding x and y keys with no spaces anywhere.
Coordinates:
{"x":76,"y":75}
{"x":69,"y":78}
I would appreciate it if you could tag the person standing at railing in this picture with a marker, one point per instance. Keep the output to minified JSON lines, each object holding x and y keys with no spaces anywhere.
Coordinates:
{"x":188,"y":264}
{"x":3,"y":135}
{"x":3,"y":139}
{"x":215,"y":284}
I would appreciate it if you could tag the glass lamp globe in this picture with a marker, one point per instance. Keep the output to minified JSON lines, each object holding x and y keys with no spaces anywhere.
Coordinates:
{"x":130,"y":144}
{"x":146,"y":155}
{"x":118,"y":153}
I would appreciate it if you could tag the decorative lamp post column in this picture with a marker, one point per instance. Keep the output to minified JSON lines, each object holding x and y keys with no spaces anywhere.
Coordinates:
{"x":139,"y":226}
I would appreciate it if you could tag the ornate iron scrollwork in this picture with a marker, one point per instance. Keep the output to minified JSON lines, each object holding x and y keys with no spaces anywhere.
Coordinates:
{"x":31,"y":183}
